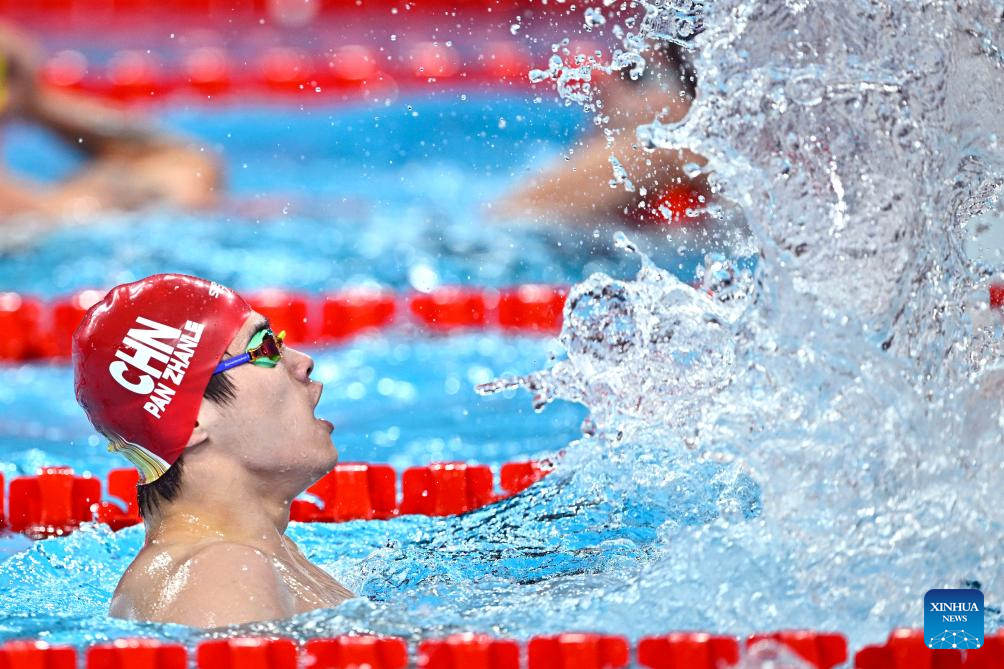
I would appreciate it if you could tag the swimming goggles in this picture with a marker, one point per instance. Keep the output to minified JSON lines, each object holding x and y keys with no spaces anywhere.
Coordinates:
{"x":4,"y":95}
{"x":264,"y":350}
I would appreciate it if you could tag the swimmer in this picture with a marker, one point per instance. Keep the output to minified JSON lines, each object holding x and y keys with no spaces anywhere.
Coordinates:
{"x":130,"y":164}
{"x":196,"y":390}
{"x":578,"y":189}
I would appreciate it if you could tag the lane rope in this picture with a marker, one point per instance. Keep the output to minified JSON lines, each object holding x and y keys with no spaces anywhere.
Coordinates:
{"x":41,"y":330}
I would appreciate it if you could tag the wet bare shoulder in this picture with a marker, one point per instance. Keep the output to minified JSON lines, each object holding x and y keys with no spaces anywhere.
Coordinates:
{"x":218,"y":584}
{"x":136,"y":592}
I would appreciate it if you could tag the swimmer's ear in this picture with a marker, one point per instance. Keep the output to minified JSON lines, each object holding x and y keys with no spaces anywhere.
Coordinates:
{"x":199,"y":436}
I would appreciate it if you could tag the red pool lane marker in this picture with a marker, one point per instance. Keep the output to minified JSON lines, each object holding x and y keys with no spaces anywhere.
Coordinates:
{"x":445,"y":489}
{"x":821,"y":650}
{"x":532,"y":308}
{"x":353,"y":64}
{"x":350,"y":491}
{"x":577,"y":651}
{"x":39,"y":330}
{"x":905,"y":649}
{"x":57,"y":501}
{"x":135,"y":74}
{"x":210,"y":73}
{"x":515,"y":477}
{"x":997,"y":295}
{"x":286,"y":70}
{"x":249,"y":10}
{"x":452,"y":307}
{"x":121,"y":485}
{"x":3,"y":519}
{"x":690,"y":650}
{"x":247,"y":652}
{"x":65,"y":316}
{"x":469,"y":651}
{"x":350,"y":652}
{"x":432,"y":61}
{"x":36,"y":655}
{"x":137,"y":653}
{"x":352,"y":312}
{"x":51,"y":504}
{"x":21,"y":321}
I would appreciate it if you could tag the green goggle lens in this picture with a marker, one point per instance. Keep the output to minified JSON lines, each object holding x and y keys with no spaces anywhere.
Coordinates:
{"x":265,"y":348}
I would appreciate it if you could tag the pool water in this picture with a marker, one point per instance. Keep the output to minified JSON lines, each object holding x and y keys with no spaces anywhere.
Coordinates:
{"x":321,"y":199}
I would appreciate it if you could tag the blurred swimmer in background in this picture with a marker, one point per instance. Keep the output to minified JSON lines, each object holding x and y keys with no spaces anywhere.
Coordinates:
{"x":578,"y":187}
{"x":129,"y":164}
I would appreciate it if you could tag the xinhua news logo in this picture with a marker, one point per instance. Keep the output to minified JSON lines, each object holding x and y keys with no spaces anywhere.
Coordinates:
{"x":953,"y":619}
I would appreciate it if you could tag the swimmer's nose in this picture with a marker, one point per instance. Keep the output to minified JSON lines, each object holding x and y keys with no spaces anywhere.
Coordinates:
{"x":300,"y":364}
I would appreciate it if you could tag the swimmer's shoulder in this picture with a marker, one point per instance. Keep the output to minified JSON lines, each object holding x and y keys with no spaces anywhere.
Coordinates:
{"x":208,"y":585}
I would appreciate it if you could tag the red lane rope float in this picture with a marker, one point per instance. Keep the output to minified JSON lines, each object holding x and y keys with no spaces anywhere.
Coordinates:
{"x":820,"y":650}
{"x":355,"y":651}
{"x":469,"y":651}
{"x":694,"y":650}
{"x":146,"y":653}
{"x":997,"y":295}
{"x":446,"y":489}
{"x":56,"y":501}
{"x":42,"y":330}
{"x":350,"y":492}
{"x":36,"y":655}
{"x":532,"y":308}
{"x":354,"y":311}
{"x":238,"y":653}
{"x":577,"y":651}
{"x":905,"y":649}
{"x":453,"y":307}
{"x":349,"y":72}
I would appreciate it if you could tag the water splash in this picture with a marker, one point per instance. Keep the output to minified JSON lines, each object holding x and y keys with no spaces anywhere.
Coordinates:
{"x":849,"y":375}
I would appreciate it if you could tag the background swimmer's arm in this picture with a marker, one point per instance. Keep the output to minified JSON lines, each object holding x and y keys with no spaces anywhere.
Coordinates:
{"x":222,"y":584}
{"x":93,"y":126}
{"x":579,"y":188}
{"x":133,"y":164}
{"x":18,"y":197}
{"x":112,"y":184}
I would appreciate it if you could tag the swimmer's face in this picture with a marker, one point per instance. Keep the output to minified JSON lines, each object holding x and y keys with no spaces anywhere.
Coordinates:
{"x":270,"y":426}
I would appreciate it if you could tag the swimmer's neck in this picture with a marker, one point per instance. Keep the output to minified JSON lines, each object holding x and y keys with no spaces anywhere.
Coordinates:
{"x":222,"y":512}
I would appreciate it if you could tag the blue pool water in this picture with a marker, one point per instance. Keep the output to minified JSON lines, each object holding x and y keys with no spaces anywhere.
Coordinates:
{"x":321,"y":198}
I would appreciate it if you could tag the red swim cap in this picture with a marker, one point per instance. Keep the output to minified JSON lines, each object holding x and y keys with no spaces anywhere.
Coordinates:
{"x":142,"y":358}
